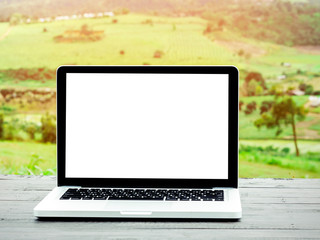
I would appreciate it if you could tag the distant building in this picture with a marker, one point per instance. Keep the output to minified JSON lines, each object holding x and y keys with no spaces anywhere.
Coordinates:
{"x":282,"y":77}
{"x":314,"y":101}
{"x":59,"y":18}
{"x":109,"y":14}
{"x":88,"y":15}
{"x":286,"y":64}
{"x":297,"y":92}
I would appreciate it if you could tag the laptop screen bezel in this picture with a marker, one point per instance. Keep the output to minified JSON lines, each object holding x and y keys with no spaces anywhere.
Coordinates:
{"x":233,"y":95}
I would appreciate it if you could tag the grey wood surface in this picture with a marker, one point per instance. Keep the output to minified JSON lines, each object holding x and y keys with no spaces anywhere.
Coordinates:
{"x":272,"y":209}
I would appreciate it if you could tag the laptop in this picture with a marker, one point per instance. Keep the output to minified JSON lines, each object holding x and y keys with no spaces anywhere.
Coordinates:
{"x":146,"y":142}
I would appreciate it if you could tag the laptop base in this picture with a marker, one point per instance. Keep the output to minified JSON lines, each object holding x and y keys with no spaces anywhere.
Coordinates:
{"x":52,"y":206}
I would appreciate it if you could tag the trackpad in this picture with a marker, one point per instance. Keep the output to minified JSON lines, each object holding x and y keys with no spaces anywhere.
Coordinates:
{"x":137,"y":207}
{"x":130,"y":213}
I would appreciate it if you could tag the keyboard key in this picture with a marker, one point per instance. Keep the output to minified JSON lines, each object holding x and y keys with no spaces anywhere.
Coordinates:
{"x":76,"y":198}
{"x":207,"y":199}
{"x":65,"y":198}
{"x":87,"y":198}
{"x":99,"y":198}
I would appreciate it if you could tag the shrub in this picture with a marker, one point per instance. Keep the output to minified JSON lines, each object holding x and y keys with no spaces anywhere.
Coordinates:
{"x":241,"y":52}
{"x":1,"y":125}
{"x":158,"y":54}
{"x":48,"y":128}
{"x":31,"y":128}
{"x":148,"y":21}
{"x":240,"y":105}
{"x":307,"y":88}
{"x":210,"y":28}
{"x":125,"y":10}
{"x":265,"y":106}
{"x":285,"y":150}
{"x":11,"y":129}
{"x":252,"y":106}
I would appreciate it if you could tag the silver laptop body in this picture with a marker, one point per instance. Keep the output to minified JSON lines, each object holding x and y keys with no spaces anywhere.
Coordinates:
{"x":146,"y":142}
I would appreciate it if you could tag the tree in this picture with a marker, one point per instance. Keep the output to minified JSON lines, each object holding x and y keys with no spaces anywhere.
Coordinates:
{"x":257,"y":77}
{"x":284,"y":111}
{"x":254,"y":83}
{"x":15,"y":19}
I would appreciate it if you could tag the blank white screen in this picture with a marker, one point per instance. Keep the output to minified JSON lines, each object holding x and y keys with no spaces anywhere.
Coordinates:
{"x":147,"y":126}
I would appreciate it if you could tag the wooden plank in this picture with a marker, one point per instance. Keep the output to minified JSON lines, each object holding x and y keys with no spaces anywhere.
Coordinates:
{"x":124,"y":233}
{"x":279,"y":183}
{"x":255,"y":216}
{"x":93,"y":225}
{"x":14,"y":182}
{"x":48,"y":182}
{"x":276,"y":192}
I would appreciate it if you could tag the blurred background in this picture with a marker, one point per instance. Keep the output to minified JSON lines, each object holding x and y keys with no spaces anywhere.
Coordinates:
{"x":274,"y":43}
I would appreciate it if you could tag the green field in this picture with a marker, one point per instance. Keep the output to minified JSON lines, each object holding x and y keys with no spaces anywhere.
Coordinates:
{"x":21,"y":158}
{"x":255,"y":164}
{"x":249,"y":169}
{"x":181,"y":40}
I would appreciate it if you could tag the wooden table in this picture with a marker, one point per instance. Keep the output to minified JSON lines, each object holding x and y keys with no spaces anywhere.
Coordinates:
{"x":272,"y":208}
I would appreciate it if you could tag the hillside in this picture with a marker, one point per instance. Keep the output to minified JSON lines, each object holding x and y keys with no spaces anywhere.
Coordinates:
{"x":289,"y":23}
{"x":40,"y":8}
{"x":181,"y":40}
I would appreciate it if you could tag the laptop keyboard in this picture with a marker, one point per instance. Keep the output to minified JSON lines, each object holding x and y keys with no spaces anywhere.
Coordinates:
{"x":142,"y":194}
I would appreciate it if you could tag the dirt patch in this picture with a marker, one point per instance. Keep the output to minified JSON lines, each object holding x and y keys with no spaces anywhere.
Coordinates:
{"x":6,"y":33}
{"x":303,"y":128}
{"x":314,"y":50}
{"x":236,"y":46}
{"x":33,"y":73}
{"x":83,"y":35}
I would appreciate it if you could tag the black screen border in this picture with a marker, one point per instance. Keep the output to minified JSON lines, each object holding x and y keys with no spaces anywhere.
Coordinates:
{"x":233,"y":88}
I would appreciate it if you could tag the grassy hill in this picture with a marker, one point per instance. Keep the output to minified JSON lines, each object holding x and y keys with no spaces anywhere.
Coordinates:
{"x":180,"y":39}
